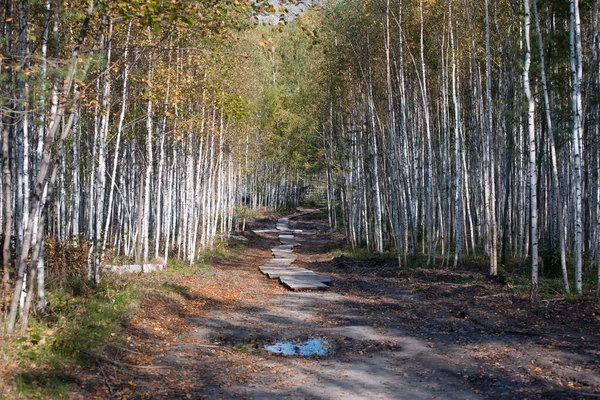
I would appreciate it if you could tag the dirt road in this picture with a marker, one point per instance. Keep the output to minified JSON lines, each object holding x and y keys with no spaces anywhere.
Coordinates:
{"x":418,"y":335}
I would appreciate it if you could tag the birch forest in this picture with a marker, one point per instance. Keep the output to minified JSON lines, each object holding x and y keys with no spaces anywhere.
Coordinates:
{"x":444,"y":131}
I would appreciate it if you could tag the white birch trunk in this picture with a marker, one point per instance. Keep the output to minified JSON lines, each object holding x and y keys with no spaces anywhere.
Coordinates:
{"x":532,"y":159}
{"x":576,"y":75}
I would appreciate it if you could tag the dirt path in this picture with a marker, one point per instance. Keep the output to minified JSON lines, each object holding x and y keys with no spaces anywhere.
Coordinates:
{"x":428,"y":334}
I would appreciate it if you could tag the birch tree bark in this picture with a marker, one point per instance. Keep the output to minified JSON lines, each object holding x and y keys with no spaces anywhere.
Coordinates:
{"x":117,"y":144}
{"x":576,"y":77}
{"x":458,"y":199}
{"x":532,"y":158}
{"x":57,"y":112}
{"x":149,"y":165}
{"x":489,"y":183}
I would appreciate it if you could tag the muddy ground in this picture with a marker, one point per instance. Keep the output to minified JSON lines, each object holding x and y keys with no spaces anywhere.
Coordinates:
{"x":419,"y":334}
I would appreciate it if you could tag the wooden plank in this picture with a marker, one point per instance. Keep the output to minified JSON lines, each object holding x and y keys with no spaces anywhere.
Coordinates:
{"x":281,"y":268}
{"x":281,"y":260}
{"x":302,"y":284}
{"x":279,"y":264}
{"x":283,"y":271}
{"x":289,"y":271}
{"x":278,"y":267}
{"x":280,"y":254}
{"x":289,"y":274}
{"x":282,"y":251}
{"x":309,"y":277}
{"x":288,"y":241}
{"x":283,"y":247}
{"x":277,"y":273}
{"x":293,"y":277}
{"x":289,"y":259}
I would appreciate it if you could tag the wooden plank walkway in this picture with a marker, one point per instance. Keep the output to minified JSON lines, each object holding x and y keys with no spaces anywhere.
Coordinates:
{"x":280,"y":267}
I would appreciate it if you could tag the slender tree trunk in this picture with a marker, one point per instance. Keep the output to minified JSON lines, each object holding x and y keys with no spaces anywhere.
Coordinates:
{"x":117,"y":145}
{"x":576,"y":74}
{"x":101,"y":180}
{"x":55,"y":122}
{"x":6,"y":173}
{"x":532,"y":160}
{"x":490,"y":184}
{"x":148,"y":174}
{"x":458,"y":198}
{"x":429,"y":194}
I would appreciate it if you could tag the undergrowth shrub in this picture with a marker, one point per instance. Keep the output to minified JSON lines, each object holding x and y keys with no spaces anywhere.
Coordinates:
{"x":66,"y":265}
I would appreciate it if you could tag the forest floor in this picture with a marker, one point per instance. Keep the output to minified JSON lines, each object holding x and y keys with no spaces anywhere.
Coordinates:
{"x":418,"y":334}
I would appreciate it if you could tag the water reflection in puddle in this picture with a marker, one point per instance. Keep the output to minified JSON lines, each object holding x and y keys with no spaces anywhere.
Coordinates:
{"x":318,"y":347}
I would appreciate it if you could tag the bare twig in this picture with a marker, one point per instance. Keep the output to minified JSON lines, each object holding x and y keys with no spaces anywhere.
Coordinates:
{"x":552,"y":300}
{"x":117,"y":346}
{"x":123,"y":364}
{"x":491,"y":295}
{"x":105,"y":379}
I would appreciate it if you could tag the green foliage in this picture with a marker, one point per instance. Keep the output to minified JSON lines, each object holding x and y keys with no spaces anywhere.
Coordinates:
{"x":362,"y":253}
{"x":285,"y":99}
{"x":75,"y":326}
{"x":550,"y":255}
{"x":505,"y":278}
{"x":158,"y":14}
{"x":219,"y":252}
{"x":245,"y":348}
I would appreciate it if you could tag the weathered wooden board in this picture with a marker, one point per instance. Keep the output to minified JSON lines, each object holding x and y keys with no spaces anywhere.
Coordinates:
{"x":277,"y":263}
{"x":274,"y":267}
{"x":302,"y":284}
{"x":280,"y":259}
{"x":295,"y":278}
{"x":282,"y":225}
{"x":281,"y":251}
{"x":289,"y":271}
{"x":283,"y":247}
{"x":309,"y":277}
{"x":280,"y":255}
{"x":288,"y":240}
{"x":289,"y":274}
{"x":291,"y":257}
{"x":276,"y":274}
{"x":283,"y":270}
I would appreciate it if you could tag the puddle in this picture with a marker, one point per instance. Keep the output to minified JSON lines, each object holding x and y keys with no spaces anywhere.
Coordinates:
{"x":316,"y":347}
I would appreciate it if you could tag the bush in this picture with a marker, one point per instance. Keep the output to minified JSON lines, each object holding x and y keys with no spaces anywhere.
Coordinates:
{"x":66,"y":265}
{"x":550,"y":255}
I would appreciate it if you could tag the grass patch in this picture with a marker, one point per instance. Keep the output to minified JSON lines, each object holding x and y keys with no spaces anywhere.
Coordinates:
{"x":245,"y":348}
{"x":80,"y":319}
{"x":53,"y":384}
{"x":84,"y":319}
{"x":218,"y":253}
{"x":361,"y":253}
